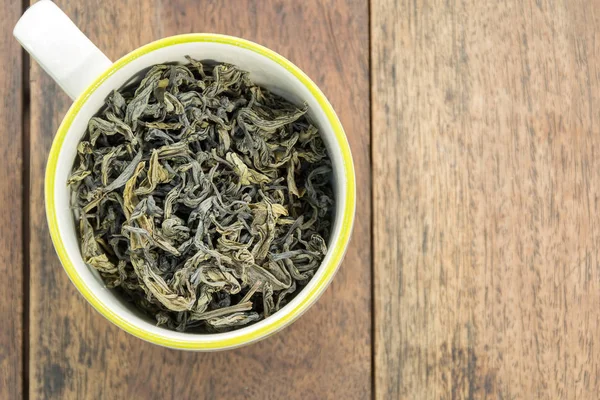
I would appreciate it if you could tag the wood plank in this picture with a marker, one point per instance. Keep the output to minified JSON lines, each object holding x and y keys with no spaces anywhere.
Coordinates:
{"x":11,"y":201}
{"x":76,"y":353}
{"x":486,"y":187}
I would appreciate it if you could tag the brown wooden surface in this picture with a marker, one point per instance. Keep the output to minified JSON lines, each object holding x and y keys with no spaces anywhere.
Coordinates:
{"x":486,"y":156}
{"x":11,"y":199}
{"x":77,"y":354}
{"x":486,"y":188}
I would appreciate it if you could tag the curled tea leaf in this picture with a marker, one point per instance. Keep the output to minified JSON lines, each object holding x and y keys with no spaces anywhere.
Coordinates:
{"x":233,"y":320}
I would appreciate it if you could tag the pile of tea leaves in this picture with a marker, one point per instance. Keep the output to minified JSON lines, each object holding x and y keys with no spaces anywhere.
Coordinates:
{"x":202,"y":198}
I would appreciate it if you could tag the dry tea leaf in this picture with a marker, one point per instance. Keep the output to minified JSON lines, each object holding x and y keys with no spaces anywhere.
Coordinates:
{"x":202,"y":198}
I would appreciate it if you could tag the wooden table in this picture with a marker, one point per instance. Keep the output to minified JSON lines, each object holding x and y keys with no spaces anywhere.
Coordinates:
{"x":474,"y":269}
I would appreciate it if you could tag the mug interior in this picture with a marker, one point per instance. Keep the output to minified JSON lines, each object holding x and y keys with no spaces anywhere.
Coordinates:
{"x":265,"y":71}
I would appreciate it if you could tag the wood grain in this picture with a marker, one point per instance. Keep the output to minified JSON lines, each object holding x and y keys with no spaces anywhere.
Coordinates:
{"x":486,"y":139}
{"x":77,"y":354}
{"x":11,"y":200}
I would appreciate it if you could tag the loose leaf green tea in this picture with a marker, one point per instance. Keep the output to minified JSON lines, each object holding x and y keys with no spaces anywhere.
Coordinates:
{"x":202,"y":198}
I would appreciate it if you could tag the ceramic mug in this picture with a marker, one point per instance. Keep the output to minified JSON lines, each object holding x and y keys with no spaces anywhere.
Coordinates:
{"x":88,"y":76}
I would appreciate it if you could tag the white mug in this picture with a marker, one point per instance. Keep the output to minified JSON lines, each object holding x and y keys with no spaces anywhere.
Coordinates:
{"x":88,"y":76}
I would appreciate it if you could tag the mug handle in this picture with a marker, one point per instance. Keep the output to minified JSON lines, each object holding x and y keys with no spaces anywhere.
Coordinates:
{"x":63,"y":51}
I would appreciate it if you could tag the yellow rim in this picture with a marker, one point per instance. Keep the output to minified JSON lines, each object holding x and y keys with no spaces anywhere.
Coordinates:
{"x":270,"y":326}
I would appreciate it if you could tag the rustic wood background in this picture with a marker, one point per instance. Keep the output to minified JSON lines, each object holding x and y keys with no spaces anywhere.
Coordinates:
{"x":12,"y":216}
{"x":474,"y":269}
{"x":486,"y":179}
